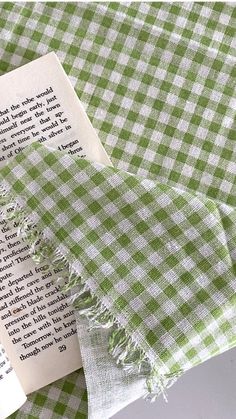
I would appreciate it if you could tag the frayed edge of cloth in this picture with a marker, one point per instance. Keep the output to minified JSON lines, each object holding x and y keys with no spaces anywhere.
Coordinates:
{"x":126,"y":352}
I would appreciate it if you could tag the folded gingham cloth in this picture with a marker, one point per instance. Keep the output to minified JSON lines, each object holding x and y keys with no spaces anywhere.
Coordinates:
{"x":158,"y":83}
{"x":152,"y":263}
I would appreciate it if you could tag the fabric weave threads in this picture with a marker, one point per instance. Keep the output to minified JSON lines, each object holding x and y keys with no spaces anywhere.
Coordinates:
{"x":156,"y":260}
{"x":158,"y":83}
{"x":121,"y":346}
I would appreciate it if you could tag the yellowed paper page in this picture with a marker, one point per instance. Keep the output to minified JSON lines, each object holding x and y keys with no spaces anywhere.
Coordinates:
{"x":37,"y":327}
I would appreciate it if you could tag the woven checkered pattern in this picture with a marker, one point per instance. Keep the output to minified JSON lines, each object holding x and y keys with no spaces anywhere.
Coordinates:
{"x":157,"y":81}
{"x":66,"y":398}
{"x":160,"y":259}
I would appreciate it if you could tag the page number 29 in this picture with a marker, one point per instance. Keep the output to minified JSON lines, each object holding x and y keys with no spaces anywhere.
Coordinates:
{"x":62,"y":348}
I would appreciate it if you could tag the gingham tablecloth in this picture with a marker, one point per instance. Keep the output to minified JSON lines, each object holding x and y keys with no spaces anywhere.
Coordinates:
{"x":158,"y":83}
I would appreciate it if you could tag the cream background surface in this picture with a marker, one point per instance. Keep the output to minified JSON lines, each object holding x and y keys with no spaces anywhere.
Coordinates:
{"x":208,"y":391}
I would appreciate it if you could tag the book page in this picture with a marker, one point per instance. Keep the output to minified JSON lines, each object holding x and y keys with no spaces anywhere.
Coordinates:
{"x":37,"y":327}
{"x":12,"y":396}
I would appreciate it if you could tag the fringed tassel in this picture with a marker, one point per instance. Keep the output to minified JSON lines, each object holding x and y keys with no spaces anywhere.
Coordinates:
{"x":125,"y":351}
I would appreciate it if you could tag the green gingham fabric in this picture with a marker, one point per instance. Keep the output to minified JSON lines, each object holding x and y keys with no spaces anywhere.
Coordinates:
{"x":66,"y":398}
{"x":160,"y":259}
{"x":157,"y":81}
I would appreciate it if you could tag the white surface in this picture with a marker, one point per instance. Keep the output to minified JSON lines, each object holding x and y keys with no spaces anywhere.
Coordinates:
{"x":208,"y":391}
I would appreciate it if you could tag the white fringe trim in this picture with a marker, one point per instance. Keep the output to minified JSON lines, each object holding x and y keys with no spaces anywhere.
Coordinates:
{"x":121,"y":346}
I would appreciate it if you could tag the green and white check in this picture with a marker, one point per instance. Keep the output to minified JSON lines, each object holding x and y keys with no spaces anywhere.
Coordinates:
{"x":66,"y":398}
{"x":157,"y":80}
{"x":158,"y":83}
{"x":159,"y":260}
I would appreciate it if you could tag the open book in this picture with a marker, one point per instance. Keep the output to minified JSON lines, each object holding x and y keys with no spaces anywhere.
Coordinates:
{"x":37,"y":326}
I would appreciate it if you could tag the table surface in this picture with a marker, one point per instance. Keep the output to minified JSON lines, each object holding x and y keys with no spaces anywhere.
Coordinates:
{"x":205,"y":392}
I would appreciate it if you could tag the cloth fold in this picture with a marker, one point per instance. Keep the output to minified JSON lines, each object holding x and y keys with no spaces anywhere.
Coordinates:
{"x":109,"y":388}
{"x":152,"y":263}
{"x":158,"y":83}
